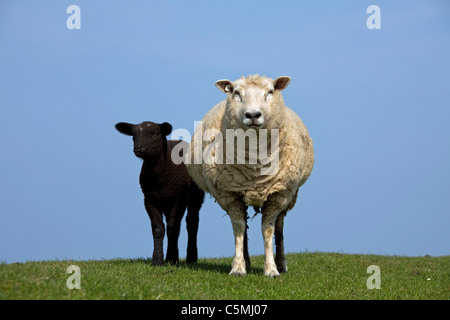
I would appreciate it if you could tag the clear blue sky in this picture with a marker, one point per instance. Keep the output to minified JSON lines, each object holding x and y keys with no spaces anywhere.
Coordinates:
{"x":376,"y":103}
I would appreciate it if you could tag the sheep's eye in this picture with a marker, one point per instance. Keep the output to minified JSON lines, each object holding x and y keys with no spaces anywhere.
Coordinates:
{"x":269,"y":94}
{"x":155,"y":133}
{"x":237,"y":95}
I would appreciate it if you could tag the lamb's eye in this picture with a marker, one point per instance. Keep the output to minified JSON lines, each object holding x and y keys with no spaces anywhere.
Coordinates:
{"x":237,"y":95}
{"x":269,"y":94}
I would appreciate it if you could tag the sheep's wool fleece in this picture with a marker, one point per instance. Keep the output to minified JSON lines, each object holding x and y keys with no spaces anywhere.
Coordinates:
{"x":230,"y":182}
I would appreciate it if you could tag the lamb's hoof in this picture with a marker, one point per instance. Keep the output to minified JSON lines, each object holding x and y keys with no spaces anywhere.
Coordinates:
{"x":157,"y":262}
{"x":191,"y":260}
{"x":192,"y":256}
{"x":172,"y":262}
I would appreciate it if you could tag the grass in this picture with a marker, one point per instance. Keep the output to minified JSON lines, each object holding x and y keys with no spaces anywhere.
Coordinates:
{"x":310,"y":276}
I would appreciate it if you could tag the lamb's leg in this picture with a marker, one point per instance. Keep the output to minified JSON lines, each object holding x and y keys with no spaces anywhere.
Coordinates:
{"x":280,"y":258}
{"x":237,"y":215}
{"x":173,"y":231}
{"x":158,"y":233}
{"x":268,"y":227}
{"x":192,"y":220}
{"x":195,"y":201}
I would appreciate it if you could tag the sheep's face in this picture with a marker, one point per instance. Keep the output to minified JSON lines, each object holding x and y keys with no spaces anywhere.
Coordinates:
{"x":251,"y":99}
{"x":149,"y":138}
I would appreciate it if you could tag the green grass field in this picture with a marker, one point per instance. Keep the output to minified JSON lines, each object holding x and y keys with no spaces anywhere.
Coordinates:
{"x":310,"y":276}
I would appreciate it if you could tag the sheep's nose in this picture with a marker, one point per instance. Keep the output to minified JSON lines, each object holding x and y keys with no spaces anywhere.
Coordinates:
{"x":253,"y":115}
{"x":137,"y":148}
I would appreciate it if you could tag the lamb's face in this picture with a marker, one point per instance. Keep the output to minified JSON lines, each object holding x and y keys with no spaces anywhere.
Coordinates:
{"x":148,"y":137}
{"x":148,"y":140}
{"x":251,"y":99}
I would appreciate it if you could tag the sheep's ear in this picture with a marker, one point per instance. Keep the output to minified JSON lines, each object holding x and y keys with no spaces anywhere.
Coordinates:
{"x":166,"y":128}
{"x":281,"y":83}
{"x":224,"y":86}
{"x":125,"y":128}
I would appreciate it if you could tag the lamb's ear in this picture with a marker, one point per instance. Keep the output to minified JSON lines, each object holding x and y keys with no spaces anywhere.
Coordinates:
{"x":224,"y":86}
{"x":166,"y":128}
{"x":125,"y":128}
{"x":281,"y":83}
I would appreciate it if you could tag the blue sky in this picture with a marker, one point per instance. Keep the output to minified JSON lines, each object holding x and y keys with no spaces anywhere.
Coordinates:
{"x":376,"y":103}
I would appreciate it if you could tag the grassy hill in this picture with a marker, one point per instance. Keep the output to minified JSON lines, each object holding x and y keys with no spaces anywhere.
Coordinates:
{"x":310,"y":276}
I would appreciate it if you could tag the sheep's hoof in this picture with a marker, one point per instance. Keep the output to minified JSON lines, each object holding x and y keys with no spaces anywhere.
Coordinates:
{"x":247,"y":264}
{"x":238,"y":267}
{"x":272,"y":273}
{"x":282,"y":266}
{"x":238,"y":270}
{"x":237,"y":273}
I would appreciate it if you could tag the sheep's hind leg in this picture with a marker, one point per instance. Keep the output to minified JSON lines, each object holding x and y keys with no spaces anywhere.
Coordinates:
{"x":246,"y":255}
{"x":280,"y":258}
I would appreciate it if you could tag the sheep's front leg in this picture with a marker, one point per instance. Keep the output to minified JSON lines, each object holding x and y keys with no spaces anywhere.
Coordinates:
{"x":239,"y":226}
{"x":268,"y":229}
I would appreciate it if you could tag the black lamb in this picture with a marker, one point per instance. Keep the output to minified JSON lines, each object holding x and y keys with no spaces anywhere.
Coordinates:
{"x":168,"y":189}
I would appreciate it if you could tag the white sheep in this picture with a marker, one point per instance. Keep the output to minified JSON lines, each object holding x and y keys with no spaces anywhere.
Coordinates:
{"x":253,"y":104}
